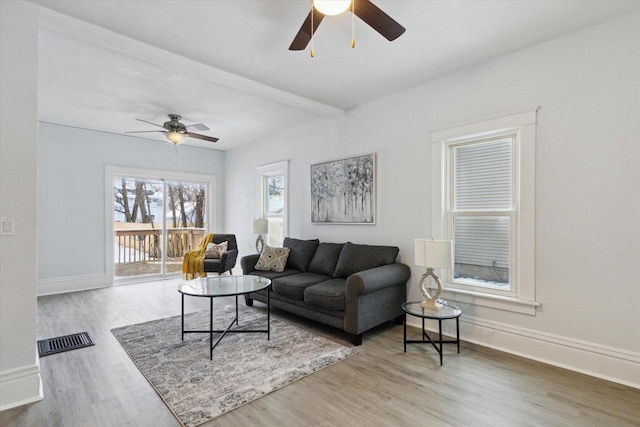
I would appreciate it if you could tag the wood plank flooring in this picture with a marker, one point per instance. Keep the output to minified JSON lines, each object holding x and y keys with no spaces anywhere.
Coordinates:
{"x":380,"y":386}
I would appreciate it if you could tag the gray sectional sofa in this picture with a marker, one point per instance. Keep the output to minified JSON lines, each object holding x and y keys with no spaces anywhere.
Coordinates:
{"x":345,"y":285}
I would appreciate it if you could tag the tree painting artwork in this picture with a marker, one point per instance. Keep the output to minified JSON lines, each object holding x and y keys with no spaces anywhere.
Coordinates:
{"x":343,"y":191}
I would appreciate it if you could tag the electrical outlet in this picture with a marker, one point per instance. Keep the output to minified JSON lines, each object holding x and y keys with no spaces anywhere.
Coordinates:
{"x":7,"y":226}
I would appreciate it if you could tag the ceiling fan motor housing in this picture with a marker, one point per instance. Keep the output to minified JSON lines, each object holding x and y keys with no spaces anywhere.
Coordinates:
{"x":174,"y":124}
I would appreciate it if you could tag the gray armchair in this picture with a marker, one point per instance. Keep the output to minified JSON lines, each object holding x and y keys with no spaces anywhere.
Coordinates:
{"x":228,"y":259}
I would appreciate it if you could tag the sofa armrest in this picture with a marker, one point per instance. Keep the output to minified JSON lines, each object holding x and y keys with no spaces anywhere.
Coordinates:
{"x":228,"y":260}
{"x":374,"y":296}
{"x":374,"y":279}
{"x":248,"y":263}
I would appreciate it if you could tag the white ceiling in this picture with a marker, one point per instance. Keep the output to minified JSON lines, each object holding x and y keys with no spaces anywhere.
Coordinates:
{"x":226,"y":63}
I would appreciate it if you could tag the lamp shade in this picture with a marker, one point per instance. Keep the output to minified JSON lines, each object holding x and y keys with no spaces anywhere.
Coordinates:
{"x":260,"y":226}
{"x":433,"y":253}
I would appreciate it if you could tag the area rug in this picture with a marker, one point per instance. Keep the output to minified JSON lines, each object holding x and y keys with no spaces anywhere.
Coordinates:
{"x":244,"y":366}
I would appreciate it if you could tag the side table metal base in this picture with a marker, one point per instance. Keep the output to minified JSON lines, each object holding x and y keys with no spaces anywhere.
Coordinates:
{"x":427,"y":340}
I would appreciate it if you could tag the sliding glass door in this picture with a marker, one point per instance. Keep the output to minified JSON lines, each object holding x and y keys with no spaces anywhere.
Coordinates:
{"x":155,"y":221}
{"x":137,"y":223}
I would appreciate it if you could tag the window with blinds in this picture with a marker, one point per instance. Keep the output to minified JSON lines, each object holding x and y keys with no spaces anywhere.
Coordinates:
{"x":481,"y":211}
{"x":483,"y":199}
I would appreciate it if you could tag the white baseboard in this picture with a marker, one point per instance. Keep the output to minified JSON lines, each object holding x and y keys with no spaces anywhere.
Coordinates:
{"x":609,"y":363}
{"x":62,"y":285}
{"x":20,"y":386}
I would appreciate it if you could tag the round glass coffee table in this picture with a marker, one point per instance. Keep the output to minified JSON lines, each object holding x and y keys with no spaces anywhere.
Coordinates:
{"x":446,"y":312}
{"x":224,"y":286}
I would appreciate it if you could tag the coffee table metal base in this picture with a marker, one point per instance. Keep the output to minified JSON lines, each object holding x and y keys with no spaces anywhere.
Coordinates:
{"x":223,"y":332}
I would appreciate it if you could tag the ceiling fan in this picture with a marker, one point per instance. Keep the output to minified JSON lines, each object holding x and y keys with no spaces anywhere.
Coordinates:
{"x":363,"y":9}
{"x":176,"y":132}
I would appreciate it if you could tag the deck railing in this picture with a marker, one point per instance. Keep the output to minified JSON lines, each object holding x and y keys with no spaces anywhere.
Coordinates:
{"x":137,"y":245}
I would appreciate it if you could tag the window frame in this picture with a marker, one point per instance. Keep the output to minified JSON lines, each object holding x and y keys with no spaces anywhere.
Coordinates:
{"x":264,"y":173}
{"x":511,"y":213}
{"x":521,"y":298}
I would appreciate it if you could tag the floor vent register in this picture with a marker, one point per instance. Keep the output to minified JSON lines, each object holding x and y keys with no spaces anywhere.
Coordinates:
{"x":65,"y":343}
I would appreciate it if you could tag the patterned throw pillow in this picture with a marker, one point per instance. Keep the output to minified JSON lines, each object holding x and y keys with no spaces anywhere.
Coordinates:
{"x":272,"y":259}
{"x":215,"y":250}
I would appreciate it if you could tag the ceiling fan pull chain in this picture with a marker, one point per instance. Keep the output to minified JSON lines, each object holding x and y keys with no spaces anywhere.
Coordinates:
{"x":312,"y":51}
{"x":353,"y":23}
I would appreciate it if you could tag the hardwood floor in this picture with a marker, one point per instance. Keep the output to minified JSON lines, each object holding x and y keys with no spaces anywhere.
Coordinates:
{"x":380,"y":386}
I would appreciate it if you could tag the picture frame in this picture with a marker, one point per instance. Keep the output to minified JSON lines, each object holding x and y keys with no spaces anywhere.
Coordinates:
{"x":344,"y":191}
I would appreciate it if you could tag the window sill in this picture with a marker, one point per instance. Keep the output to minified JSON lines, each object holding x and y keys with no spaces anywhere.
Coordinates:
{"x":493,"y":301}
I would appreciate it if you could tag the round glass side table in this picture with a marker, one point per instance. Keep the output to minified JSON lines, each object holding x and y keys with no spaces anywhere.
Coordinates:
{"x":447,"y":311}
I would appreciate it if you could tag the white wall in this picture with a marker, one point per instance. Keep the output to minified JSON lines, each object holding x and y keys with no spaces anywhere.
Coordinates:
{"x":587,"y":177}
{"x":71,"y":199}
{"x":19,"y":365}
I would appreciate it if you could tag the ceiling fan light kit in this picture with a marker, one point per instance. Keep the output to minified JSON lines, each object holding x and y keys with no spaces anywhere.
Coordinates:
{"x":175,"y":137}
{"x":331,"y":7}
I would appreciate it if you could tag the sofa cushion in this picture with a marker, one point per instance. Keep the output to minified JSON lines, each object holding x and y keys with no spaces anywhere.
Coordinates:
{"x":272,"y":259}
{"x":301,"y":252}
{"x":355,"y":258}
{"x":326,"y":257}
{"x":328,"y":294}
{"x":273,"y":274}
{"x":293,"y":286}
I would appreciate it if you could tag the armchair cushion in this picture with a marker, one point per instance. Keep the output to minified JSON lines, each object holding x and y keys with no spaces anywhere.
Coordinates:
{"x":215,"y":250}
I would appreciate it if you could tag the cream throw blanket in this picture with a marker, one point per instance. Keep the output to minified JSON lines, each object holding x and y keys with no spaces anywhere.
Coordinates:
{"x":193,"y":262}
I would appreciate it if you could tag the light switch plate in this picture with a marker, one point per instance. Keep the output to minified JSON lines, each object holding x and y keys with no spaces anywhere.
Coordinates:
{"x":7,"y":226}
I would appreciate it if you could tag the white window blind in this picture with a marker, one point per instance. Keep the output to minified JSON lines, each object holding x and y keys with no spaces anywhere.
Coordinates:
{"x":483,"y":176}
{"x":482,"y":240}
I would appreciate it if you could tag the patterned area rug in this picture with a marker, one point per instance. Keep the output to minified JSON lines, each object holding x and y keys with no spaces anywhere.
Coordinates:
{"x":244,"y":366}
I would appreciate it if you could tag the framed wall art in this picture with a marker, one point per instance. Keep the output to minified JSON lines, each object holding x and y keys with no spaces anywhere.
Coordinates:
{"x":344,"y":191}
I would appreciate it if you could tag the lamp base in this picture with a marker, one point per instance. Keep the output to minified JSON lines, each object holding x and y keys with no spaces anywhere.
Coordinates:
{"x":259,"y":244}
{"x":431,"y":305}
{"x":430,"y":301}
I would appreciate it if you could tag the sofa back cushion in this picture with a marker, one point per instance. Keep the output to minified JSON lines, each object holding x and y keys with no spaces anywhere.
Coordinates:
{"x":325,"y":259}
{"x":301,"y":252}
{"x":355,"y":258}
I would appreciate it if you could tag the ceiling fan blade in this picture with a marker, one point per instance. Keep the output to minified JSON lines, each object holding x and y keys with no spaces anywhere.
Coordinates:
{"x":203,"y":137}
{"x":303,"y":37}
{"x":155,"y":124}
{"x":377,"y":19}
{"x":197,"y":126}
{"x":146,"y":131}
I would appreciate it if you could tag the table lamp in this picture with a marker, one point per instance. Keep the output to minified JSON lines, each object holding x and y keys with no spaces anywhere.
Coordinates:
{"x":432,"y":254}
{"x":260,"y":227}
